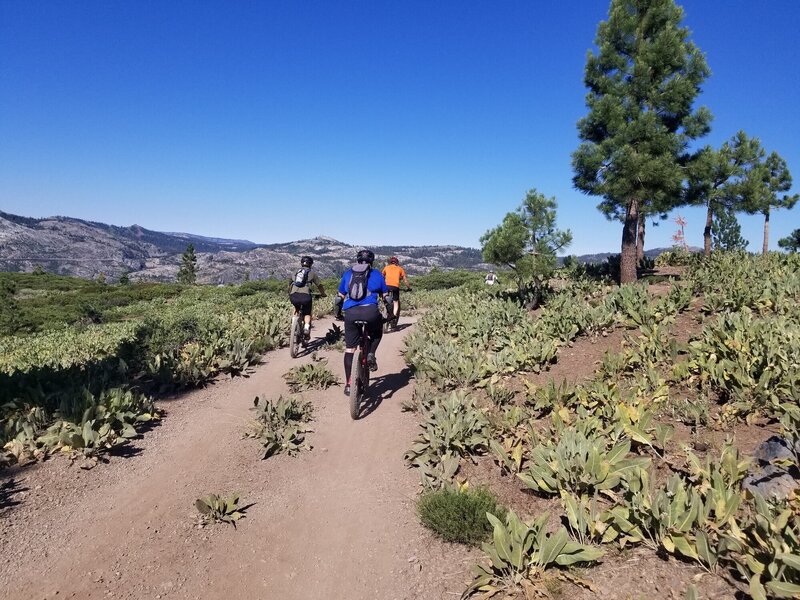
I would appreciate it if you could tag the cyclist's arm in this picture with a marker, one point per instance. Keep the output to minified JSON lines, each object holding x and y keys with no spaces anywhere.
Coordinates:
{"x":343,"y":286}
{"x":316,"y":282}
{"x":404,"y":277}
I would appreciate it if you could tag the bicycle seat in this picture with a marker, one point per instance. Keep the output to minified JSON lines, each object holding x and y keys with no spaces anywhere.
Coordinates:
{"x":361,"y":322}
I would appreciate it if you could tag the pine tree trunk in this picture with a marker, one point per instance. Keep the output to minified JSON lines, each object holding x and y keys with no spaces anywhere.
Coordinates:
{"x":640,"y":239}
{"x":707,"y":231}
{"x":627,"y":263}
{"x":765,"y":247}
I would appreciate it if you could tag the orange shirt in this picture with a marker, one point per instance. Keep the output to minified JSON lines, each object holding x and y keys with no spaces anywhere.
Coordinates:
{"x":392,"y":274}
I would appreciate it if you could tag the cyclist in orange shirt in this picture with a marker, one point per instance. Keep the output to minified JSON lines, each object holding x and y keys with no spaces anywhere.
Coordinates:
{"x":393,"y":273}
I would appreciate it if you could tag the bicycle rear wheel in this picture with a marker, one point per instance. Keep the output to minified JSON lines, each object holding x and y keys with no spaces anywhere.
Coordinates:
{"x":294,"y":337}
{"x":356,"y":386}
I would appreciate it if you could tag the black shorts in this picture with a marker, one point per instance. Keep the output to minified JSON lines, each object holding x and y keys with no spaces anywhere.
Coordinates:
{"x":301,"y":302}
{"x":395,"y":292}
{"x":365,"y":312}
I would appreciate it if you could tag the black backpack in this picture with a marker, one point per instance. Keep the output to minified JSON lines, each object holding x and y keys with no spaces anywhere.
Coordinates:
{"x":357,"y":290}
{"x":301,"y":277}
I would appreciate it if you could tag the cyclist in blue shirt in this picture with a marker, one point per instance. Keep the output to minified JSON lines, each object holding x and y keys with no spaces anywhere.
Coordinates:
{"x":361,"y":309}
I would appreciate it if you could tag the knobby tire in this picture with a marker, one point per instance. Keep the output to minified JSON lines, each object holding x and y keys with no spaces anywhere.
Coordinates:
{"x":294,"y":338}
{"x":356,"y":386}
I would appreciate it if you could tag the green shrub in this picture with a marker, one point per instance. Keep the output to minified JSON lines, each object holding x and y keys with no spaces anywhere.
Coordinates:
{"x":459,"y":516}
{"x":311,"y":376}
{"x":280,"y":425}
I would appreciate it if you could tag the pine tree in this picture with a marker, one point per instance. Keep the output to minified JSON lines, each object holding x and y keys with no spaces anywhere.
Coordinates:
{"x":722,"y":181}
{"x":124,"y":279}
{"x":791,"y":243}
{"x":527,"y":241}
{"x":642,"y":83}
{"x":770,"y":179}
{"x":187,"y":273}
{"x":726,"y":231}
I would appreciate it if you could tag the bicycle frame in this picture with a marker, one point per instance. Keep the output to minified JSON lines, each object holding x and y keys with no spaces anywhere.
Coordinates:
{"x":360,"y":379}
{"x":296,"y":339}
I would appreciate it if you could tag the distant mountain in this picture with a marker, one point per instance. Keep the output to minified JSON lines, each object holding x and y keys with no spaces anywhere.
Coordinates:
{"x":81,"y":248}
{"x":197,"y":240}
{"x":602,"y":256}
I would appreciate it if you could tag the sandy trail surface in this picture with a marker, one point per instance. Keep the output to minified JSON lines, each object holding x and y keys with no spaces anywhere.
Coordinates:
{"x":336,"y":522}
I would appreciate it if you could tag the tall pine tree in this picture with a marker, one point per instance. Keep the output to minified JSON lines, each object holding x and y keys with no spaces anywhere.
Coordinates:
{"x":773,"y":177}
{"x":642,"y":83}
{"x":723,"y":181}
{"x":187,"y":273}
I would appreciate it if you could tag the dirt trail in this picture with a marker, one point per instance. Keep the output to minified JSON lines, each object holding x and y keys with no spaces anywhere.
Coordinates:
{"x":336,"y":522}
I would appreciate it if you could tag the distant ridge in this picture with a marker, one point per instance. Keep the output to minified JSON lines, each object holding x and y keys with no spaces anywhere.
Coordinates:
{"x":77,"y":247}
{"x":240,"y":244}
{"x":602,"y":256}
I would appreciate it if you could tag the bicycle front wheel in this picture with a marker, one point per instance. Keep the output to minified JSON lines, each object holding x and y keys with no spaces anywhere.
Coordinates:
{"x":294,"y":338}
{"x":356,"y":387}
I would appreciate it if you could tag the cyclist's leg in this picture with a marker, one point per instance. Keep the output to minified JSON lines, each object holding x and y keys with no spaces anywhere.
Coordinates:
{"x":352,"y":338}
{"x":396,"y":306}
{"x":295,"y":304}
{"x":307,"y":308}
{"x":302,"y":306}
{"x":375,"y":331}
{"x":337,"y":306}
{"x":394,"y":294}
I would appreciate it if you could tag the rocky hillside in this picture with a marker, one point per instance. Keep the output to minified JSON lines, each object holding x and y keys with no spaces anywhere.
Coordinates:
{"x":85,"y":249}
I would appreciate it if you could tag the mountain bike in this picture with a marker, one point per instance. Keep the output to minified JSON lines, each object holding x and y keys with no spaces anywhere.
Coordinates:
{"x":387,"y":312}
{"x":359,"y":382}
{"x":296,"y":338}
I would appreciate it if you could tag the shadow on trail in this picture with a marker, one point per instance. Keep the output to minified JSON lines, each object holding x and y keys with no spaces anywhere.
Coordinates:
{"x":316,"y":344}
{"x":125,"y":451}
{"x":8,"y":489}
{"x":382,"y":388}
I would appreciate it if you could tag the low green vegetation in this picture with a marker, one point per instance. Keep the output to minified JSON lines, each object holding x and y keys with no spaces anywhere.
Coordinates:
{"x":214,"y":508}
{"x":281,"y":425}
{"x":314,"y":375}
{"x":459,"y":515}
{"x":603,"y":449}
{"x":525,"y":555}
{"x":52,"y":380}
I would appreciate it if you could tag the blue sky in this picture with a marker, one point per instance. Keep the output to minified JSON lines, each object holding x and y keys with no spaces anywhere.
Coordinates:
{"x":373,"y":122}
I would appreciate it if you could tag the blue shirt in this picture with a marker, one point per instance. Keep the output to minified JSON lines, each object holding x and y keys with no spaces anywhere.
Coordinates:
{"x":376,"y":284}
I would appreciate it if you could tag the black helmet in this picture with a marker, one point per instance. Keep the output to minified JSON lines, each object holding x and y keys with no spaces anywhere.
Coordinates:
{"x":306,"y":261}
{"x":365,"y":256}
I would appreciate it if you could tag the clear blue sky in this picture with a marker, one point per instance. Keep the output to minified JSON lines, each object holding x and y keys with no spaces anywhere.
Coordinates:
{"x":372,"y":121}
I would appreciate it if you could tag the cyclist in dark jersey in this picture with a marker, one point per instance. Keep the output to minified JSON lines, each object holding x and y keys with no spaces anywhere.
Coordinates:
{"x":300,"y":295}
{"x":365,"y":309}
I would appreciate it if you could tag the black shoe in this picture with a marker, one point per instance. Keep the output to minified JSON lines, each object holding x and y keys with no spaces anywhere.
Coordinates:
{"x":371,"y":362}
{"x":306,"y":334}
{"x":347,"y":390}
